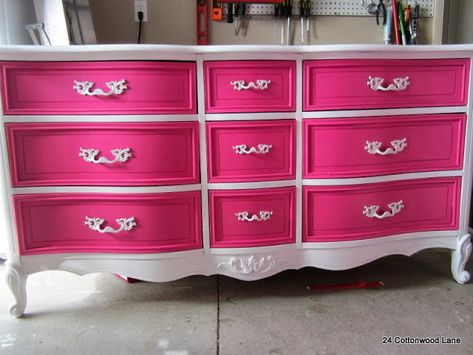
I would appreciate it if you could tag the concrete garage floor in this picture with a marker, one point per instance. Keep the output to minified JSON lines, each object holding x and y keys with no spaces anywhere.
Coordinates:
{"x":101,"y":314}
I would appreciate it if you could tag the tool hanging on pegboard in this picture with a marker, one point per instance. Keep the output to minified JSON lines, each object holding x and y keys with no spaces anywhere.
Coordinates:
{"x":202,"y":22}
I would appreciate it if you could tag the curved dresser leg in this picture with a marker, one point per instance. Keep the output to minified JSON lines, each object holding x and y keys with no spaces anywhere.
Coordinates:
{"x":16,"y":281}
{"x":459,"y":258}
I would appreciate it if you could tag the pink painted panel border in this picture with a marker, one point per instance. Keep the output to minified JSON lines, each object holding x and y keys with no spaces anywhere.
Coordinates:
{"x":42,"y":222}
{"x":335,"y":148}
{"x":61,"y":165}
{"x":278,"y":164}
{"x":342,"y":83}
{"x":228,"y":232}
{"x":335,"y":213}
{"x":154,"y":87}
{"x":279,"y":97}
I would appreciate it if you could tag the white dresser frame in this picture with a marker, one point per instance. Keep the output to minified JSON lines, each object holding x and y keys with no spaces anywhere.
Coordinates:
{"x":241,"y":263}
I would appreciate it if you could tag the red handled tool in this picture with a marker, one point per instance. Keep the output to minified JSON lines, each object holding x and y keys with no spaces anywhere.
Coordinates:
{"x":356,"y":285}
{"x":202,"y":22}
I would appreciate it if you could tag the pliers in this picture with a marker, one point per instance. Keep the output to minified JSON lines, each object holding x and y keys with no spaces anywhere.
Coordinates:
{"x":381,"y":8}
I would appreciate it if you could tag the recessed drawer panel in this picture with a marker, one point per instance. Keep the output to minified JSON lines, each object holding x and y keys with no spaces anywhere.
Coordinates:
{"x":337,"y":213}
{"x":104,"y":153}
{"x":383,"y":145}
{"x":249,"y":218}
{"x":108,"y":223}
{"x":250,"y":86}
{"x":251,"y":151}
{"x":98,"y":88}
{"x":363,"y":83}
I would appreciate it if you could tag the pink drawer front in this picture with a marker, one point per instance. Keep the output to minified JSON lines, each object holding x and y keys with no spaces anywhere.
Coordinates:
{"x":356,"y":84}
{"x":249,"y":218}
{"x":251,"y":151}
{"x":128,"y":153}
{"x":383,"y":145}
{"x":338,"y":213}
{"x":63,"y":223}
{"x":60,"y":88}
{"x":250,"y":86}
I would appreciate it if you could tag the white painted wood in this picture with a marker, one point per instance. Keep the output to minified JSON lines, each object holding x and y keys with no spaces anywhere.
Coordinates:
{"x":243,"y":263}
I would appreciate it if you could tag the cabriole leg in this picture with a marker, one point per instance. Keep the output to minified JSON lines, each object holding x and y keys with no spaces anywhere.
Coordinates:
{"x":16,"y":281}
{"x":459,"y":258}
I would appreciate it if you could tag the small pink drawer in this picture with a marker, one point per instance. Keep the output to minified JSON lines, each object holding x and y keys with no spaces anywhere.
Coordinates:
{"x":356,"y":83}
{"x":383,"y":145}
{"x":58,"y":88}
{"x":251,"y":151}
{"x":67,"y":223}
{"x":250,"y":86}
{"x":338,"y":213}
{"x":249,"y":218}
{"x":165,"y":153}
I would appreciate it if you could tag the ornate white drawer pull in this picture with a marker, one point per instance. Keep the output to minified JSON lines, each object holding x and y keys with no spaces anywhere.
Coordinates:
{"x":243,"y":149}
{"x":260,"y":85}
{"x":89,"y":155}
{"x":263,"y":216}
{"x":399,"y":84}
{"x":398,"y":146}
{"x":126,"y":224}
{"x":372,"y":211}
{"x":84,"y":88}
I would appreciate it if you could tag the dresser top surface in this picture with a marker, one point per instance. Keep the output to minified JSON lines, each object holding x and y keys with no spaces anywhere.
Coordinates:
{"x":157,"y":51}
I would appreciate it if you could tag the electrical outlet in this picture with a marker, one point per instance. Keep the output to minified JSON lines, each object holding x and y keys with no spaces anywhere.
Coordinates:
{"x":141,"y":5}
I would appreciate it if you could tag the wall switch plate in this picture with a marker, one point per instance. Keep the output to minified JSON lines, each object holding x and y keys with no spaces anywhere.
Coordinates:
{"x":141,"y":5}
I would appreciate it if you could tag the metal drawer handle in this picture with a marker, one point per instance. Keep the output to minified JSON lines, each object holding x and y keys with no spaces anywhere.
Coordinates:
{"x":260,"y":85}
{"x":126,"y":224}
{"x":398,"y":146}
{"x":372,"y":211}
{"x":399,"y":84}
{"x":89,"y":155}
{"x":243,"y":149}
{"x":263,"y":216}
{"x":84,"y":88}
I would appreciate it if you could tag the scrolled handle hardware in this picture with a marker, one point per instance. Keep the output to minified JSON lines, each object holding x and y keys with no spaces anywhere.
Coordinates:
{"x":95,"y":223}
{"x":85,"y":88}
{"x":398,"y":84}
{"x":262,"y":216}
{"x":243,"y":149}
{"x":90,"y":154}
{"x":240,"y":85}
{"x":372,"y":211}
{"x":398,"y":145}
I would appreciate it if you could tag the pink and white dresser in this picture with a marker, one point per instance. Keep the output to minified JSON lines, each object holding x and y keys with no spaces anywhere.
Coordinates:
{"x":160,"y":162}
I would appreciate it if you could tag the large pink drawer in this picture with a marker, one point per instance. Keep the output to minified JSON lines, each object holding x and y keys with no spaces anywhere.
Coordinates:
{"x":352,"y":84}
{"x":251,"y":151}
{"x":250,"y":86}
{"x":337,"y":213}
{"x":164,"y":153}
{"x":48,"y":87}
{"x":383,"y":145}
{"x":63,"y":223}
{"x":249,"y":218}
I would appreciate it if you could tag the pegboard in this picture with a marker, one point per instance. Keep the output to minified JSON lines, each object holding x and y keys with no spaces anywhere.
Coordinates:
{"x":339,"y":8}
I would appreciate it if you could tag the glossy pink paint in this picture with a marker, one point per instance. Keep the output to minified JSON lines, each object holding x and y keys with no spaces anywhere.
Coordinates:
{"x":336,"y":147}
{"x":225,"y":165}
{"x":154,"y":87}
{"x":342,"y":84}
{"x":221,"y":97}
{"x":55,"y":223}
{"x":335,"y":213}
{"x":226,"y":231}
{"x":45,"y":154}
